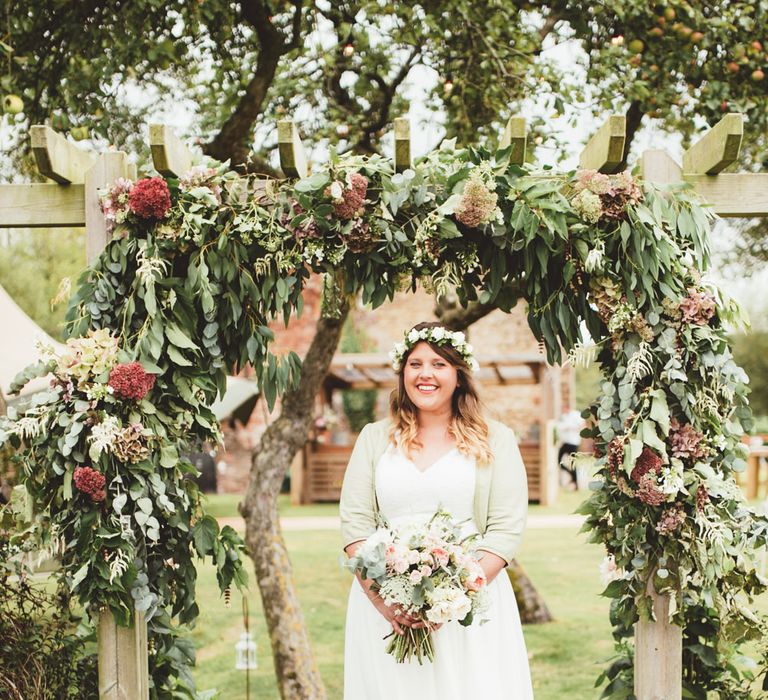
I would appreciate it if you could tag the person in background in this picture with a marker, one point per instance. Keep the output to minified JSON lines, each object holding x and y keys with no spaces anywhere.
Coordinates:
{"x":569,"y":429}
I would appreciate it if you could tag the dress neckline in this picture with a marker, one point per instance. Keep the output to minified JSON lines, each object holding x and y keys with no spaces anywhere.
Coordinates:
{"x":431,"y":466}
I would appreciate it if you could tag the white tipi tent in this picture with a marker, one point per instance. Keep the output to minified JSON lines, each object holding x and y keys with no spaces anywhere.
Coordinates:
{"x":18,"y":347}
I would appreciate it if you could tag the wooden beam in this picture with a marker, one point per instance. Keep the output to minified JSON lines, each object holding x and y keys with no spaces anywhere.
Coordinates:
{"x":716,"y":149}
{"x":659,"y":167}
{"x":57,"y":158}
{"x":293,"y":160}
{"x":42,"y":206}
{"x":402,"y":144}
{"x":733,"y":194}
{"x":498,"y":373}
{"x":515,"y":135}
{"x":605,"y":150}
{"x":170,"y":155}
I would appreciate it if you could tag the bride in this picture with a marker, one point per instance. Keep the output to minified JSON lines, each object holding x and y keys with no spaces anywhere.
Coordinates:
{"x":437,"y":450}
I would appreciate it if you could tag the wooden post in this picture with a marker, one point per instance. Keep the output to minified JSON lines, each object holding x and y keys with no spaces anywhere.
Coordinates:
{"x":123,"y":661}
{"x":293,"y":161}
{"x":515,"y":135}
{"x":402,"y":144}
{"x":658,"y":654}
{"x":658,"y":644}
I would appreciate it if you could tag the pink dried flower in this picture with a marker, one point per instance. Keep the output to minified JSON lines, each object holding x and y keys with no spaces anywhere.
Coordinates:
{"x":150,"y":198}
{"x":131,"y":381}
{"x":348,"y":201}
{"x":91,"y":483}
{"x":686,"y":441}
{"x":648,"y":492}
{"x":477,"y":205}
{"x":671,"y":520}
{"x":698,"y":307}
{"x":595,"y":182}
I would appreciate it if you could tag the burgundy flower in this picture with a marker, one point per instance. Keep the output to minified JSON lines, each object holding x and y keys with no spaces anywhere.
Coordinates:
{"x":150,"y":198}
{"x":131,"y":381}
{"x":648,"y":461}
{"x":91,"y":483}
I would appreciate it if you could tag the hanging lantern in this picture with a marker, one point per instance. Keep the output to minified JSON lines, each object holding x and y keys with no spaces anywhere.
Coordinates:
{"x":245,"y":649}
{"x":245,"y":653}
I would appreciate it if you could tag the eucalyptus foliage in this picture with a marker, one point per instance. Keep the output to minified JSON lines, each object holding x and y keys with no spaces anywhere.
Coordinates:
{"x":189,"y":291}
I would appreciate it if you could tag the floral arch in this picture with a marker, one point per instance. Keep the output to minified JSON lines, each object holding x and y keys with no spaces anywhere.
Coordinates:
{"x":197,"y":267}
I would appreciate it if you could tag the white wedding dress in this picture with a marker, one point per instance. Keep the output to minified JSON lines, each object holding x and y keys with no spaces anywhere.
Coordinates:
{"x":486,"y":661}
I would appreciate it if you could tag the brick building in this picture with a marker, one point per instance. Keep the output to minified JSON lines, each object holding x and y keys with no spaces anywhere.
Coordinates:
{"x":498,"y":334}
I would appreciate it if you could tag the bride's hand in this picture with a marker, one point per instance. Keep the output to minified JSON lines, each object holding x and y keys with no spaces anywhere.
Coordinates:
{"x":397,"y":617}
{"x":394,"y":614}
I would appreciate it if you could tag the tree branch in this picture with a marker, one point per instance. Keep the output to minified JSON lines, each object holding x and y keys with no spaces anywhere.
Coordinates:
{"x":364,"y":143}
{"x":457,"y":318}
{"x":233,"y":140}
{"x":635,"y":116}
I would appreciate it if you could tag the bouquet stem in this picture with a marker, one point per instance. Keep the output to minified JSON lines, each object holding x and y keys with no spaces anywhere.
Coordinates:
{"x":415,"y":643}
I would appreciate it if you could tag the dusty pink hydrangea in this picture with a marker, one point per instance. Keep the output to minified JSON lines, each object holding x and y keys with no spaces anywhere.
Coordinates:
{"x":306,"y":229}
{"x":686,"y":441}
{"x":595,"y":182}
{"x":698,"y":307}
{"x":649,"y":492}
{"x":616,"y":193}
{"x":348,"y":201}
{"x":671,"y":520}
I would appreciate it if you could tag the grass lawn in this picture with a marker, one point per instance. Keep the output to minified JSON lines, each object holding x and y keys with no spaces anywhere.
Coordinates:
{"x":566,"y":655}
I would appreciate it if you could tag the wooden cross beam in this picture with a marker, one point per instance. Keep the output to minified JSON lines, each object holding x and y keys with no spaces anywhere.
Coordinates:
{"x":515,"y":135}
{"x":293,"y":160}
{"x":717,"y":149}
{"x":57,"y":158}
{"x":605,"y":150}
{"x":170,"y":156}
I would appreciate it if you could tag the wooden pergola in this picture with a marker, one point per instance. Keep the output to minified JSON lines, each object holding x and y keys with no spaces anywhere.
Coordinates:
{"x":71,"y":199}
{"x":317,"y":473}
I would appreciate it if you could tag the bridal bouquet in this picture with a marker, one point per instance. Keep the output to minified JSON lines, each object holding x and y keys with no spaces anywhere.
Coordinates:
{"x":430,"y":572}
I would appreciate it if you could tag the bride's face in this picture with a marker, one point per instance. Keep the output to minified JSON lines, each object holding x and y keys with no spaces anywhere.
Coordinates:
{"x":429,"y":379}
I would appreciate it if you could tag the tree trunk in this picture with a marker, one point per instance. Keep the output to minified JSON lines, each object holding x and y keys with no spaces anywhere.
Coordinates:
{"x":297,"y":674}
{"x":533,"y":608}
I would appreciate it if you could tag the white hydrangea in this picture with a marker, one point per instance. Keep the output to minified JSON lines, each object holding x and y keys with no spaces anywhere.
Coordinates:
{"x":103,"y":436}
{"x":671,"y":478}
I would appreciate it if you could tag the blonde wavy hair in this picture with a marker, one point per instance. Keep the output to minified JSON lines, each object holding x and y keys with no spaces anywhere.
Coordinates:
{"x":468,"y":427}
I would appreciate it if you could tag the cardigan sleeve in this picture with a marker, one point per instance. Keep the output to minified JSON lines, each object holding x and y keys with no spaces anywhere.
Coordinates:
{"x":507,"y":500}
{"x":356,"y":505}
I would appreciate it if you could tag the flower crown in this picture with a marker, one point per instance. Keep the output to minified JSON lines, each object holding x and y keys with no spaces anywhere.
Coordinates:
{"x":436,"y":335}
